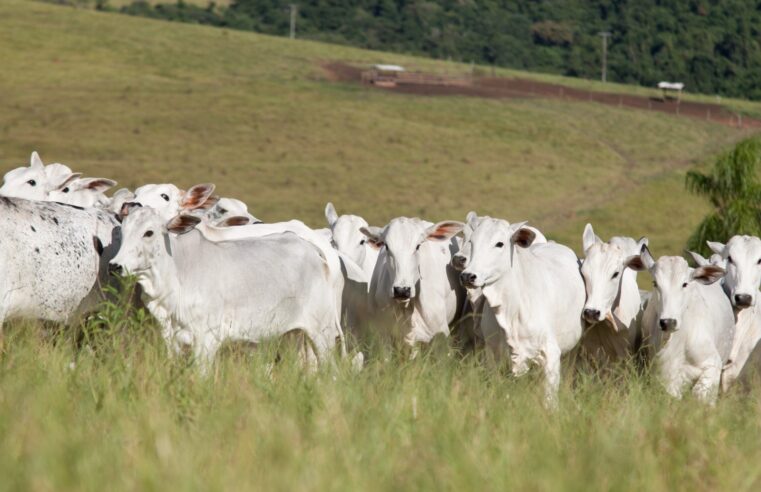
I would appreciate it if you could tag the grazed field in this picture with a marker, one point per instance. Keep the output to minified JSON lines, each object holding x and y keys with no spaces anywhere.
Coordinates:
{"x":144,"y":101}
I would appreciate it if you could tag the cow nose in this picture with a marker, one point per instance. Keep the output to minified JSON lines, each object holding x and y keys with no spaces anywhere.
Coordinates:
{"x":402,"y":292}
{"x":592,"y":315}
{"x":667,"y":324}
{"x":126,"y":207}
{"x":743,"y":300}
{"x":468,"y":278}
{"x":458,"y":262}
{"x":114,"y":268}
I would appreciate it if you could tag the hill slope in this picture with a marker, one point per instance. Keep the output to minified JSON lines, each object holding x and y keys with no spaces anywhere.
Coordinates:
{"x":148,"y":101}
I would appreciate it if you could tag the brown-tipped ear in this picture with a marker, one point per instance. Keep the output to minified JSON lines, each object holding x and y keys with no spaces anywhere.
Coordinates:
{"x":234,"y":221}
{"x":443,"y":230}
{"x":374,"y":236}
{"x":635,"y":263}
{"x":708,"y":274}
{"x":209,"y":203}
{"x":98,"y":184}
{"x":66,"y":181}
{"x":180,"y":224}
{"x":196,"y":196}
{"x":524,"y":237}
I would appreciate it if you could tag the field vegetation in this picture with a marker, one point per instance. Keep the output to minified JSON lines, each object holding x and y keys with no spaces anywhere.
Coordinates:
{"x":102,"y":407}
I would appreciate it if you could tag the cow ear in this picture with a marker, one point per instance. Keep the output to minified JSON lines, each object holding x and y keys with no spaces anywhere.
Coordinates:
{"x":196,"y":196}
{"x":209,"y":203}
{"x":588,"y":239}
{"x":698,"y":258}
{"x":330,"y":214}
{"x":374,"y":236}
{"x":180,"y":224}
{"x":97,"y":184}
{"x":643,"y":241}
{"x":641,"y":262}
{"x":522,"y":236}
{"x":35,"y":162}
{"x":64,"y":181}
{"x":443,"y":230}
{"x":471,"y":219}
{"x":234,"y":221}
{"x":716,"y":247}
{"x":707,"y":274}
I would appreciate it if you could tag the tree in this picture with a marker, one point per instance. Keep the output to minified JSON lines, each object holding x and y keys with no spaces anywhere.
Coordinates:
{"x":734,"y":190}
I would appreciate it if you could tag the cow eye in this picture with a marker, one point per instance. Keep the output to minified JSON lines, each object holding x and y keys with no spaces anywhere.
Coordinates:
{"x":32,"y":182}
{"x":729,"y":259}
{"x":65,"y":190}
{"x":655,"y":284}
{"x":500,"y":244}
{"x":165,"y":197}
{"x":684,"y":285}
{"x":148,"y":234}
{"x":417,"y":248}
{"x":361,"y":242}
{"x":758,"y":262}
{"x":615,"y":274}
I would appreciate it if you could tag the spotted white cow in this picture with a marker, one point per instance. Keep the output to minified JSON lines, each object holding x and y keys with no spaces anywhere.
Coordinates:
{"x":742,"y":259}
{"x":613,"y":304}
{"x":688,"y":324}
{"x":204,"y":293}
{"x":535,"y":292}
{"x":83,"y":192}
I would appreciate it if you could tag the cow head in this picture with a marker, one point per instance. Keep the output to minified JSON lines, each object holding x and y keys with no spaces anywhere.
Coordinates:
{"x":603,"y":270}
{"x":491,"y":246}
{"x":229,"y":210}
{"x":82,"y":192}
{"x":144,"y":241}
{"x":461,"y":258}
{"x":36,"y":181}
{"x":404,"y":241}
{"x":169,"y":201}
{"x":345,"y":231}
{"x":673,"y":280}
{"x":742,"y":258}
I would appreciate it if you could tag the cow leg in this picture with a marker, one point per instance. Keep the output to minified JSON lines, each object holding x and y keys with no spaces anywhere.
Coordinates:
{"x":551,"y":363}
{"x":706,"y":388}
{"x":204,"y":351}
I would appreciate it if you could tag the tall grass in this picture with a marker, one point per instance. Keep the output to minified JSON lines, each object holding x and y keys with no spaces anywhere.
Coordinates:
{"x":104,"y":407}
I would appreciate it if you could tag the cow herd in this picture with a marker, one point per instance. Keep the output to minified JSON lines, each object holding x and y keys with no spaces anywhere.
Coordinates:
{"x":211,"y":273}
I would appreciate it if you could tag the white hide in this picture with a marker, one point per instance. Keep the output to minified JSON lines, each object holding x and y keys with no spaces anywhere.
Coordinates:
{"x":412,"y":278}
{"x":83,"y":192}
{"x":613,"y":302}
{"x":170,"y":201}
{"x":209,"y":292}
{"x":346,"y":235}
{"x":228,"y":208}
{"x":54,"y":259}
{"x":535,"y":292}
{"x":742,"y":258}
{"x":36,"y":181}
{"x":688,"y":325}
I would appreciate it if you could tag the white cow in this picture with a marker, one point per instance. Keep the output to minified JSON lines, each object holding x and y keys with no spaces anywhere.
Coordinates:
{"x":413,"y":276}
{"x":36,"y":181}
{"x":346,"y":235}
{"x":205,"y":292}
{"x":170,"y":201}
{"x":83,"y":192}
{"x":53,"y":259}
{"x":742,"y":257}
{"x":535,"y":292}
{"x":484,"y":326}
{"x":229,"y":211}
{"x":688,"y":324}
{"x":613,"y":302}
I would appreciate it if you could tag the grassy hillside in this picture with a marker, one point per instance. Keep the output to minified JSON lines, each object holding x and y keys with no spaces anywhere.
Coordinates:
{"x":146,"y":101}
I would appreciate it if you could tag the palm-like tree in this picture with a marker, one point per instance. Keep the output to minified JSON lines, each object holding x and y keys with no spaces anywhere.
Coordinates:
{"x":734,"y":190}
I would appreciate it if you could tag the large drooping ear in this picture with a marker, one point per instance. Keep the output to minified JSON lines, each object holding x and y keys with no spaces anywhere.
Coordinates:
{"x":471,"y":219}
{"x":330,"y":214}
{"x":374,"y":236}
{"x":196,"y":196}
{"x":708,"y":274}
{"x":588,"y":239}
{"x":62,"y":181}
{"x":238,"y":220}
{"x":699,"y":259}
{"x":522,"y":236}
{"x":716,"y":247}
{"x":643,"y":261}
{"x":95,"y":184}
{"x":209,"y":203}
{"x":180,"y":224}
{"x":35,"y":162}
{"x":443,"y":230}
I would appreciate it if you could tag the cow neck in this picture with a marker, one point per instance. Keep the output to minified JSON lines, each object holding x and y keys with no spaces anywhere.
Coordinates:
{"x":505,"y":293}
{"x":160,"y":282}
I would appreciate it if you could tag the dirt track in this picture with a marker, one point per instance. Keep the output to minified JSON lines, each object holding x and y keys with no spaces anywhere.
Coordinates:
{"x":511,"y":88}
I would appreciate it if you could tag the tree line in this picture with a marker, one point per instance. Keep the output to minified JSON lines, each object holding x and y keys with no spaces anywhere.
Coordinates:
{"x":710,"y":45}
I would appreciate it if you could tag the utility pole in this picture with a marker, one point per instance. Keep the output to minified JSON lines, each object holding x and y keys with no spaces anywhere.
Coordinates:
{"x":605,"y":35}
{"x":294,"y":9}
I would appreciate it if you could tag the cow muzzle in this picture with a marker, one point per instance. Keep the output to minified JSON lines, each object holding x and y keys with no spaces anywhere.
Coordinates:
{"x":459,"y":262}
{"x":667,"y":324}
{"x":469,"y":280}
{"x":126,"y":207}
{"x":402,"y":293}
{"x":743,"y":300}
{"x":591,"y":315}
{"x":115,"y":269}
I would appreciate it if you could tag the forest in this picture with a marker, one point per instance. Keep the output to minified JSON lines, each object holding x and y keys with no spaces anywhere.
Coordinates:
{"x":711,"y":46}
